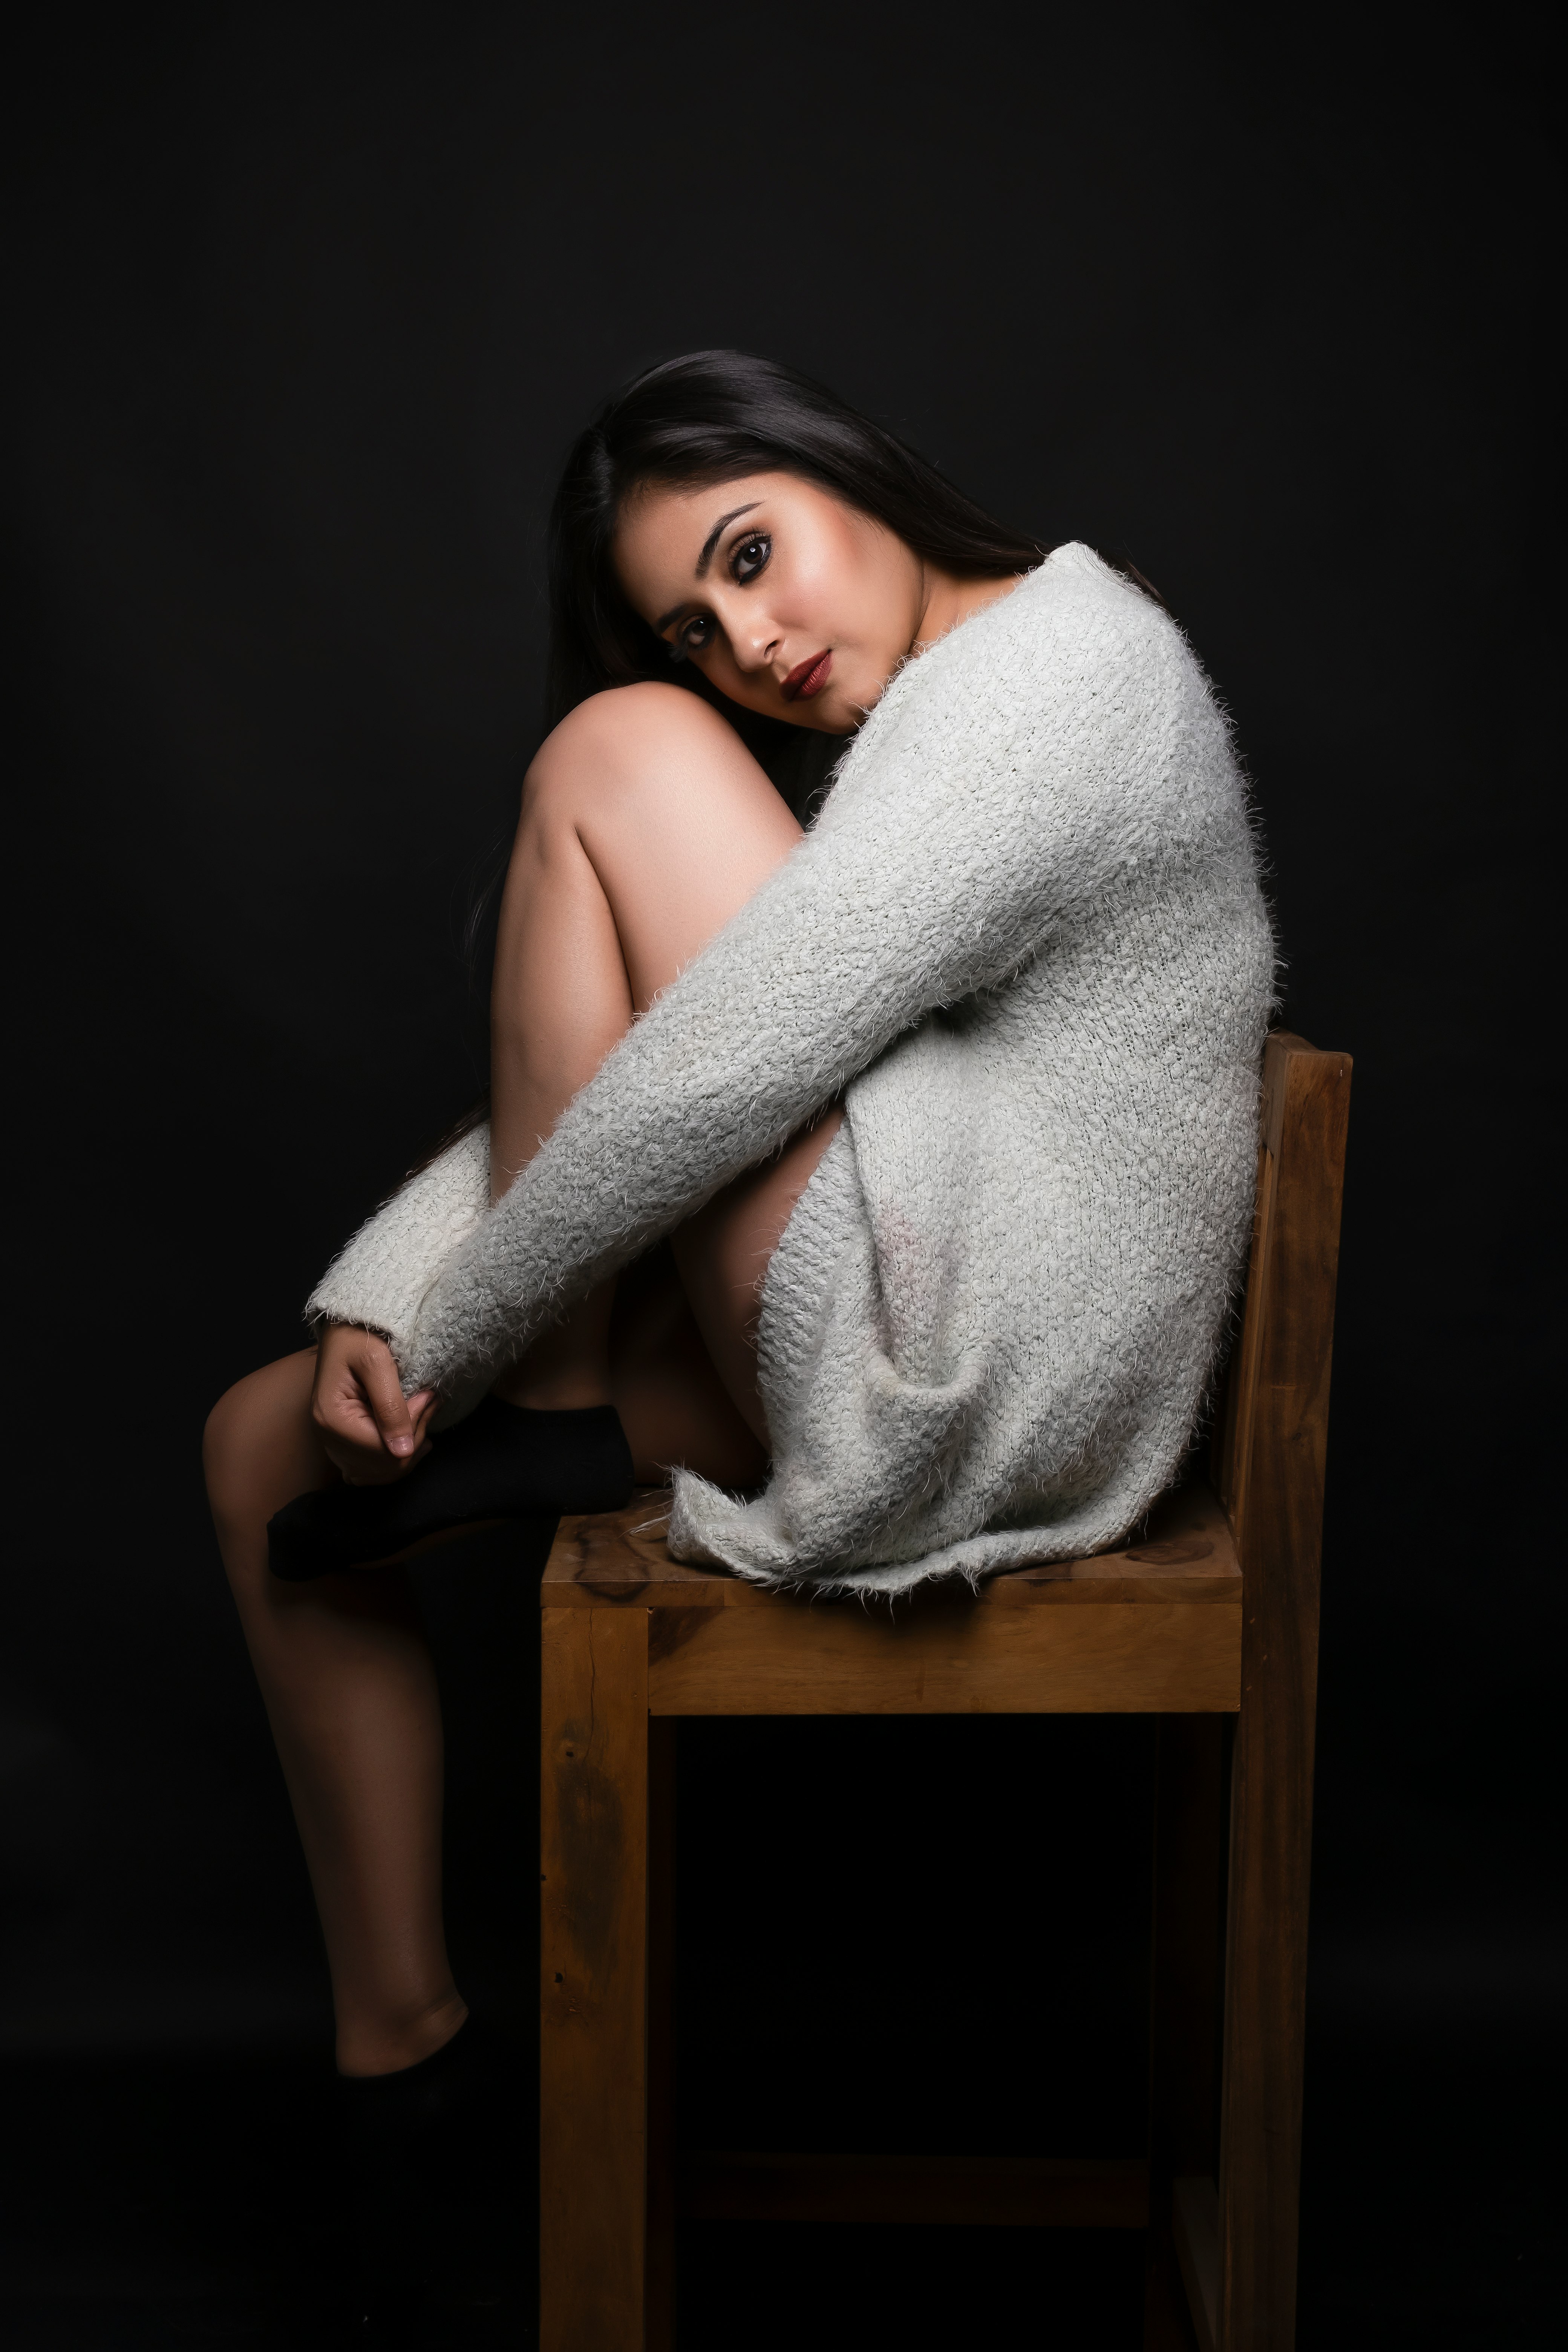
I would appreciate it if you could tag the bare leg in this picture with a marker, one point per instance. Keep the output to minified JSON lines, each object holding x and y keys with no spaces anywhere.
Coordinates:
{"x":645,"y":826}
{"x":350,"y":1696}
{"x":673,"y":1405}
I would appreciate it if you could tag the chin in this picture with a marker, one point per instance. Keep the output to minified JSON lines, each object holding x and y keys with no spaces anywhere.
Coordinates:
{"x":835,"y":721}
{"x":852,"y":711}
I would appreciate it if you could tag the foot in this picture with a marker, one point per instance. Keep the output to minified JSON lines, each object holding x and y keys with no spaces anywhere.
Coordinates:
{"x":425,"y":2149}
{"x":504,"y":1462}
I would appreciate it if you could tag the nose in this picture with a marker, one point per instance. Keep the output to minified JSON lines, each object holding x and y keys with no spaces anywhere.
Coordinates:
{"x":755,"y":645}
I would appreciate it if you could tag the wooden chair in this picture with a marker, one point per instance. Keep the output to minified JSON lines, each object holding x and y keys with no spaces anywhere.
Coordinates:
{"x":1208,"y":1620}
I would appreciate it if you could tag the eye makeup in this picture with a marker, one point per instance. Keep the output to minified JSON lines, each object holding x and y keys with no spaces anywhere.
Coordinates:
{"x":747,"y":561}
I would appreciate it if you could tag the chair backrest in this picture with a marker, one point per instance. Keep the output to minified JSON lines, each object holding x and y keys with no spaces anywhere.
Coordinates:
{"x":1271,"y":1432}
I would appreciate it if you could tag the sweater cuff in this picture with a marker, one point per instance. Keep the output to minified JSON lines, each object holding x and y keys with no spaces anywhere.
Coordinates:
{"x":378,"y":1280}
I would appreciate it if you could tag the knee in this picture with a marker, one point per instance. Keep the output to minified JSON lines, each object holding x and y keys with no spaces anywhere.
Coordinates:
{"x":258,"y":1448}
{"x":623,"y":743}
{"x":229,"y":1445}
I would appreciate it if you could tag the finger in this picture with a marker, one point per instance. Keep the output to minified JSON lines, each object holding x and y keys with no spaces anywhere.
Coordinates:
{"x":383,"y":1394}
{"x":338,"y":1395}
{"x":342,"y":1414}
{"x":377,"y":1471}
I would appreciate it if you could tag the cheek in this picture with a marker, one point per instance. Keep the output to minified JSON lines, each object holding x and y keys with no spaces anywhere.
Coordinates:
{"x":827,"y":594}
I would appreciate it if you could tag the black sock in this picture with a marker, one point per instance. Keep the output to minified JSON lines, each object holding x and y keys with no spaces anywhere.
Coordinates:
{"x":504,"y":1462}
{"x":410,"y":2140}
{"x":432,"y":2091}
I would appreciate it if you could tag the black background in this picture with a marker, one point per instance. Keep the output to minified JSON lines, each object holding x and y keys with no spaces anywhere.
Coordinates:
{"x":306,"y":307}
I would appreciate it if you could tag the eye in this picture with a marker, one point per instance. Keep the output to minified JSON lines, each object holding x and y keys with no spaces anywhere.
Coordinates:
{"x":693,"y":636}
{"x":751,"y":556}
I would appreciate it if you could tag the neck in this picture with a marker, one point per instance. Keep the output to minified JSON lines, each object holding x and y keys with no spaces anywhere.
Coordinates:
{"x":950,"y":599}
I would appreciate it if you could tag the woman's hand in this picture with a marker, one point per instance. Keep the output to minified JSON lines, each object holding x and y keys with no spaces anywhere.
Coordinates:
{"x":368,"y":1427}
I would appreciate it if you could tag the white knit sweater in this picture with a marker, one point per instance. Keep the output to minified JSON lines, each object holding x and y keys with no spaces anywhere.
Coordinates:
{"x":1027,"y":936}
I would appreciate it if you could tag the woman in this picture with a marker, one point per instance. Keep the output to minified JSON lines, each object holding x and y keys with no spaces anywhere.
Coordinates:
{"x":946,"y":1108}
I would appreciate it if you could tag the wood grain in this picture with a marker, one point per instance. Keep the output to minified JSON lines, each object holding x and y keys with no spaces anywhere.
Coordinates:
{"x":1113,"y":1655}
{"x":1278,"y":1523}
{"x":1009,"y":2192}
{"x":1184,"y":1553}
{"x":593,"y":1979}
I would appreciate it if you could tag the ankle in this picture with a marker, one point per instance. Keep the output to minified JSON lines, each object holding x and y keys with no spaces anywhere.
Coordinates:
{"x":388,"y":2044}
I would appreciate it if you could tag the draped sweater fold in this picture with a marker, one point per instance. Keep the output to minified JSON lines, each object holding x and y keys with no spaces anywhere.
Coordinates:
{"x":1025,"y":943}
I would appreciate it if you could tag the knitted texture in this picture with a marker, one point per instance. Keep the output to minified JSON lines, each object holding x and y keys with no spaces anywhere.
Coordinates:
{"x":380,"y":1278}
{"x":1026,"y":938}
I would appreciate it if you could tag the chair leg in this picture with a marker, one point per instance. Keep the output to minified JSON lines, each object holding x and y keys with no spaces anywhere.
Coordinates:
{"x":1184,"y":2003}
{"x":661,"y":1836}
{"x":1167,"y":2314}
{"x":1264,"y":2032}
{"x":593,"y":1979}
{"x":1189,"y":1915}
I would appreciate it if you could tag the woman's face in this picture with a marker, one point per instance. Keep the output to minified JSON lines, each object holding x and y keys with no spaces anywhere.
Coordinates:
{"x":785,"y":599}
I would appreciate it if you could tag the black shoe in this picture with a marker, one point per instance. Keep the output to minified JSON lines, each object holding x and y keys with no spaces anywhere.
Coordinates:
{"x":504,"y":1462}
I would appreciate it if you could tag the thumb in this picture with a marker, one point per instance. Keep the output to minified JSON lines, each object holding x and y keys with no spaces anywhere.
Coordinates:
{"x":383,"y":1394}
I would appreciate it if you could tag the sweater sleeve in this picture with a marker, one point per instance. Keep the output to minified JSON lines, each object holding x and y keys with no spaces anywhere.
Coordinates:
{"x":981,"y":801}
{"x":379,"y":1277}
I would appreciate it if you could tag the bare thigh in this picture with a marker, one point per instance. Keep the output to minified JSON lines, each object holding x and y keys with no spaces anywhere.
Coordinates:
{"x":647,"y":825}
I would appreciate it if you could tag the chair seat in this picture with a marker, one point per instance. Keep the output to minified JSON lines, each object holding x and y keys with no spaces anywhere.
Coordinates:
{"x":1154,"y":1626}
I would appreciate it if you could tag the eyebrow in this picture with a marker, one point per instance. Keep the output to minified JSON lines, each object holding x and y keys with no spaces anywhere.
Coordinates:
{"x":705,"y":558}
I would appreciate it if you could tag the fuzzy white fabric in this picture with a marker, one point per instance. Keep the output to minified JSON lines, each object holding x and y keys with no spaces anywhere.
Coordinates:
{"x":1027,"y":936}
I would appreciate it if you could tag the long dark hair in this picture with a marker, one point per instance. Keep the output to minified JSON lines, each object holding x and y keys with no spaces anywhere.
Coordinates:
{"x":707,"y":418}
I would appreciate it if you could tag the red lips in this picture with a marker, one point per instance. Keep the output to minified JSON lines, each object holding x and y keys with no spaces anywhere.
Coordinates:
{"x":807,"y":678}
